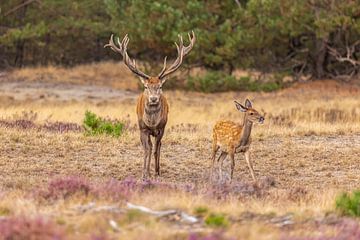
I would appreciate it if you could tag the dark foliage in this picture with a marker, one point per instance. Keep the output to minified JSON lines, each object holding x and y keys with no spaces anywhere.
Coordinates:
{"x":295,"y":36}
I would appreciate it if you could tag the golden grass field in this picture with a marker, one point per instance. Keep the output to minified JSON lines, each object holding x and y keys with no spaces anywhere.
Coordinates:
{"x":309,"y":146}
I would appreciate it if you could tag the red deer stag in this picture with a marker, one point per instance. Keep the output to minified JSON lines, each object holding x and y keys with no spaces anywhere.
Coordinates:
{"x":231,"y":137}
{"x":152,"y":107}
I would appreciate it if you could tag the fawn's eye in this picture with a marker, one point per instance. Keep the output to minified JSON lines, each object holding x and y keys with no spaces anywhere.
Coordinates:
{"x":251,"y":113}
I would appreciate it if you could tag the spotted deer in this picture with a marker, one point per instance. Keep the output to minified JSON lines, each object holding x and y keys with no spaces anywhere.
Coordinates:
{"x":152,"y":107}
{"x":231,"y":137}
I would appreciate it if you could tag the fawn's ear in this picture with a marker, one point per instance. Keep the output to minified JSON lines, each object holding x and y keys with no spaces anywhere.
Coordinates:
{"x":248,"y":104}
{"x":240,"y":107}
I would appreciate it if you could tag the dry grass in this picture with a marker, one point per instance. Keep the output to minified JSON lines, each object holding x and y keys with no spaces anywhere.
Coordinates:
{"x":310,"y":145}
{"x":99,"y":74}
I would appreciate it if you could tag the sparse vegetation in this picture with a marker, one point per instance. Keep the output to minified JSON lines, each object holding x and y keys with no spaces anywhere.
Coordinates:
{"x":82,"y":184}
{"x":95,"y":125}
{"x":218,"y":81}
{"x":201,"y":210}
{"x":70,"y":173}
{"x":30,"y":228}
{"x":216,"y":220}
{"x":349,"y":203}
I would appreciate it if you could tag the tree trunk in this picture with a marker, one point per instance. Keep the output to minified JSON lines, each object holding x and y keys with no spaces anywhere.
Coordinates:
{"x":320,"y":57}
{"x":19,"y":57}
{"x":20,"y":45}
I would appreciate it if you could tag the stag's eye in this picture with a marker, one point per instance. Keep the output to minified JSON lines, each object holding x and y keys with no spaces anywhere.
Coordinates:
{"x":251,"y":113}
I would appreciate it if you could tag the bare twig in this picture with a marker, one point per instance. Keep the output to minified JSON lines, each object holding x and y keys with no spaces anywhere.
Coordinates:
{"x":349,"y":53}
{"x":19,"y":6}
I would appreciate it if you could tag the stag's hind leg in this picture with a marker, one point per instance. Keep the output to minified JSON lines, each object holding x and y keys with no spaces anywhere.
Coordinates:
{"x":157,"y":151}
{"x":147,"y":145}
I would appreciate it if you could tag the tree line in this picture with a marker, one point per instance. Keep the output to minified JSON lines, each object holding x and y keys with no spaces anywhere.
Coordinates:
{"x":316,"y":37}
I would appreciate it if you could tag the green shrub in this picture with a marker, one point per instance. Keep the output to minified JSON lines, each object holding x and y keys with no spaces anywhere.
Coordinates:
{"x":95,"y":125}
{"x":217,"y":81}
{"x":212,"y":81}
{"x":216,"y":220}
{"x":349,"y":204}
{"x":201,"y":211}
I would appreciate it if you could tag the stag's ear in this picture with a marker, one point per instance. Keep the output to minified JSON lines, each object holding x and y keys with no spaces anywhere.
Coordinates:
{"x":248,"y":104}
{"x":240,"y":107}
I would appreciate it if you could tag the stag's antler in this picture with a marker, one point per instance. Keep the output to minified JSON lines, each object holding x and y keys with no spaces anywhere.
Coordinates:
{"x":182,"y":52}
{"x":131,"y":64}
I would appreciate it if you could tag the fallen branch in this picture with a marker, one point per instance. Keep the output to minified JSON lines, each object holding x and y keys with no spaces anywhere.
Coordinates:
{"x":282,"y":220}
{"x":184,"y":217}
{"x":151,"y":212}
{"x":91,"y":207}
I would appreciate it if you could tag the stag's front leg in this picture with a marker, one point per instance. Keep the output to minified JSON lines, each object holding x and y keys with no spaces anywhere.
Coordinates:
{"x":157,"y":151}
{"x":147,"y":145}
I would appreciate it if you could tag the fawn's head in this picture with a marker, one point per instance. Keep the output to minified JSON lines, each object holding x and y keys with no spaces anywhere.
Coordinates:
{"x":152,"y":85}
{"x":251,"y":114}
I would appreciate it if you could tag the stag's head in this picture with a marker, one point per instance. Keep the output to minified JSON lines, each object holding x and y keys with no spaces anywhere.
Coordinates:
{"x":152,"y":85}
{"x":251,"y":114}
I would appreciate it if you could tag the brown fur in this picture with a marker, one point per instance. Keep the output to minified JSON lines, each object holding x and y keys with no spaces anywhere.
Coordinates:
{"x":152,"y":122}
{"x":231,"y":138}
{"x":140,"y":109}
{"x":152,"y":107}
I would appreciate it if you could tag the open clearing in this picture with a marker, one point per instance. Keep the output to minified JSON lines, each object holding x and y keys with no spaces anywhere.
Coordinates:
{"x":314,"y":162}
{"x":309,"y":145}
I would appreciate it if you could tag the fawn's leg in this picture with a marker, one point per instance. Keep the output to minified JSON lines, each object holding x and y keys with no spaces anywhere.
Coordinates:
{"x":221,"y":158}
{"x":232,"y":156}
{"x":215,"y":148}
{"x":247,"y":158}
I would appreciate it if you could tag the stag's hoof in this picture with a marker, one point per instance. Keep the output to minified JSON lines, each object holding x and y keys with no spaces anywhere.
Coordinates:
{"x":146,"y":176}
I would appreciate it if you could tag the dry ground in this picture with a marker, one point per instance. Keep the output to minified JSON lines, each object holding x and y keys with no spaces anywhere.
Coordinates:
{"x":309,"y":145}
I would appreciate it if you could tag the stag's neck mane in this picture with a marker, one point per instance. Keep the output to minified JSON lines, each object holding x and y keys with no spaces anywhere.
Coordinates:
{"x":152,"y":116}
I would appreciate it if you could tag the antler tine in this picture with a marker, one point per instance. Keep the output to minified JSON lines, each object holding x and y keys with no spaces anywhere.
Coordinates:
{"x":111,"y":43}
{"x":122,"y":49}
{"x":192,"y":42}
{"x":164,"y":67}
{"x":182,"y":52}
